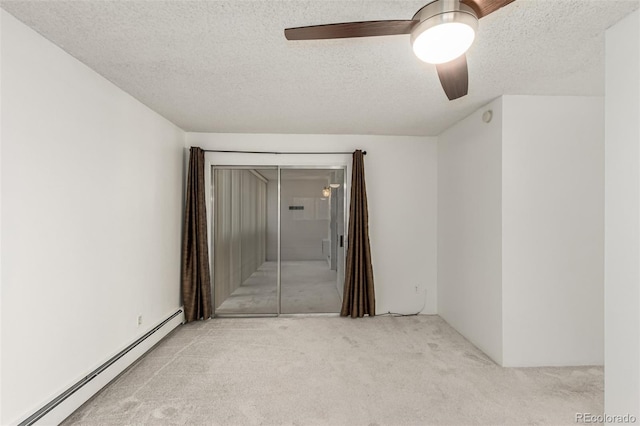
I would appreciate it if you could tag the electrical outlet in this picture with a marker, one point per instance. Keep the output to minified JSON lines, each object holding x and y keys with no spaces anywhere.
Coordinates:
{"x":139,"y":319}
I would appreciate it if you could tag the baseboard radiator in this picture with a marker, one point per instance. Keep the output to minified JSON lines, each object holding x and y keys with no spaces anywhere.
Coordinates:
{"x":72,"y":391}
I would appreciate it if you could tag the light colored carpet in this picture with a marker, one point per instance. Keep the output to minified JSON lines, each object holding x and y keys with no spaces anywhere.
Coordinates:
{"x":307,"y":287}
{"x":335,"y":371}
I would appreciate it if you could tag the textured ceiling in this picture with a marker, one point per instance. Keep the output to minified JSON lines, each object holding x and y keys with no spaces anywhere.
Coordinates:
{"x":225,"y":66}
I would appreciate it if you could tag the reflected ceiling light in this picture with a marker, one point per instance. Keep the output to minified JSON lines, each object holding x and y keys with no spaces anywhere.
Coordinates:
{"x":446,"y":30}
{"x":326,"y":192}
{"x":335,"y":180}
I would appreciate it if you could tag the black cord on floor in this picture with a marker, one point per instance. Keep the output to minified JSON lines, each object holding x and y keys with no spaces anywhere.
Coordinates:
{"x":396,"y":314}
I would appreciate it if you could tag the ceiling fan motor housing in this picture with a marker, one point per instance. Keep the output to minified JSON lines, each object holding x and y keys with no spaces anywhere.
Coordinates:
{"x":441,"y":12}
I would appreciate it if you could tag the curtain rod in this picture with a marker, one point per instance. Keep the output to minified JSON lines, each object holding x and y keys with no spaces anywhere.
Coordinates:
{"x":278,"y":153}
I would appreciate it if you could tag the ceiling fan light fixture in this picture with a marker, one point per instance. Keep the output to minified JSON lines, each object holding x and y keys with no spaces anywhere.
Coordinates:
{"x":443,"y":36}
{"x":441,"y":33}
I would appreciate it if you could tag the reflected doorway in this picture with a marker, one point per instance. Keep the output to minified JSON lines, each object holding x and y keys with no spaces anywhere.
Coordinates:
{"x":278,"y":240}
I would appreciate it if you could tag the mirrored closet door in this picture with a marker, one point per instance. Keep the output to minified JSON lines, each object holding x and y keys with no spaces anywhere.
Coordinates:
{"x":278,"y":240}
{"x":312,"y":222}
{"x":244,"y":265}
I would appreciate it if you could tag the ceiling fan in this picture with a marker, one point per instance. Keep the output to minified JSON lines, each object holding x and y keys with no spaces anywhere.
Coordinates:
{"x":441,"y":32}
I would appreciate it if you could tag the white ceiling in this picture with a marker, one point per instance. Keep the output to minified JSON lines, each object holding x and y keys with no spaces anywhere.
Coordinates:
{"x":225,"y":66}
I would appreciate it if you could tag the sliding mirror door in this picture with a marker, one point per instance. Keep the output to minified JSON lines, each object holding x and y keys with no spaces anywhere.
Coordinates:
{"x":278,"y":240}
{"x":311,"y":232}
{"x":244,"y":232}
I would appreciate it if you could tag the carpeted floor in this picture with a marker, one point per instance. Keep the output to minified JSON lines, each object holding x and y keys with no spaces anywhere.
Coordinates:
{"x":335,"y":371}
{"x":308,"y":286}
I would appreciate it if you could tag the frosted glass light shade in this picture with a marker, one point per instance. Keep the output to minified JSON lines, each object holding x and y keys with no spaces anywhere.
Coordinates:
{"x":443,"y":38}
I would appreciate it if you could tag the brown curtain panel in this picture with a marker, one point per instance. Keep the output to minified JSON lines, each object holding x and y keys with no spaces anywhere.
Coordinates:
{"x":359,"y":295}
{"x":196,"y":279}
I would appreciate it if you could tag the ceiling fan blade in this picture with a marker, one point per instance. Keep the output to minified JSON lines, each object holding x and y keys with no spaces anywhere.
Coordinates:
{"x":485,"y":7}
{"x":454,"y":77}
{"x":350,"y":29}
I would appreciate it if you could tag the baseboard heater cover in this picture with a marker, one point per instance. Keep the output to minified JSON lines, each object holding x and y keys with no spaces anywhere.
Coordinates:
{"x":82,"y":382}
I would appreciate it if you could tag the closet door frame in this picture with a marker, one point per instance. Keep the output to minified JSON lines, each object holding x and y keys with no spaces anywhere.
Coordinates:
{"x":212,"y":221}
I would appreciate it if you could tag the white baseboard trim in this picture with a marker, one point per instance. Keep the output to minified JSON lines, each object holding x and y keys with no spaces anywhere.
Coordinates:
{"x":66,"y":403}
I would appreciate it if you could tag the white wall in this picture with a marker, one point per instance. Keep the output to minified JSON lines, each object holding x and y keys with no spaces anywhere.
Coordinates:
{"x":520,"y":230}
{"x":469,"y":229}
{"x":401,"y":185}
{"x":91,"y":219}
{"x":552,"y":230}
{"x":622,"y":217}
{"x":1,"y":415}
{"x":302,"y":239}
